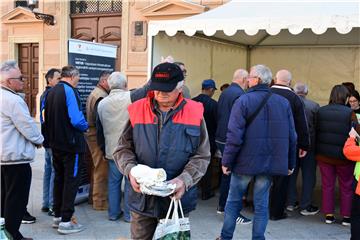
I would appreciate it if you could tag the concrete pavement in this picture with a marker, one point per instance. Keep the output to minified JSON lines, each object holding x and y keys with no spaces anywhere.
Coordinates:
{"x":205,"y":222}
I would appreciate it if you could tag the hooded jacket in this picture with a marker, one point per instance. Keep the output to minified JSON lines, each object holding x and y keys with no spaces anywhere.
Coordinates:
{"x":19,"y":132}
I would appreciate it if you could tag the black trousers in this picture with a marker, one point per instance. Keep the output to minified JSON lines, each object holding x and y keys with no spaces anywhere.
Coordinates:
{"x":15,"y":188}
{"x":206,"y":182}
{"x":67,"y":168}
{"x":355,"y":215}
{"x":278,"y":196}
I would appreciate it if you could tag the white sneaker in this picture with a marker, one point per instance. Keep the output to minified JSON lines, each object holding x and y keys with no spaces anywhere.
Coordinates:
{"x":56,"y":222}
{"x":70,"y":227}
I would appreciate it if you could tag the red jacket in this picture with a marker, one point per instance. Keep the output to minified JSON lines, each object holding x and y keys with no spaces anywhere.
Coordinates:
{"x":352,"y":152}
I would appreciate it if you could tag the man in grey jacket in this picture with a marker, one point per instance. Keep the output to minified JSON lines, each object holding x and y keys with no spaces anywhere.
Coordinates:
{"x":111,"y":122}
{"x":19,"y":137}
{"x":307,"y":163}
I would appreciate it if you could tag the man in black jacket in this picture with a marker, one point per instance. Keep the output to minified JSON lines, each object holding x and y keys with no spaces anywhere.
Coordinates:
{"x":65,"y":126}
{"x":210,"y":115}
{"x":280,"y":183}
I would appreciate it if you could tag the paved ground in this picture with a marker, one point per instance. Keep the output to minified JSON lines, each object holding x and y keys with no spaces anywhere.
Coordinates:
{"x":205,"y":223}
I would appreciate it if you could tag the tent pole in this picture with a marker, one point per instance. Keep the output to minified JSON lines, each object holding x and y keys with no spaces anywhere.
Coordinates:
{"x":150,"y":47}
{"x":248,"y":56}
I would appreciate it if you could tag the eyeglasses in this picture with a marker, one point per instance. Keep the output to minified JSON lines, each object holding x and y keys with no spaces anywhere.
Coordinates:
{"x":353,"y":101}
{"x":21,"y":78}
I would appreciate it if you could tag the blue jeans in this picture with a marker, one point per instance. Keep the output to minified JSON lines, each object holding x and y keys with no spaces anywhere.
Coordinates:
{"x":225,"y":181}
{"x":238,"y":186}
{"x":114,"y":185}
{"x":48,"y":180}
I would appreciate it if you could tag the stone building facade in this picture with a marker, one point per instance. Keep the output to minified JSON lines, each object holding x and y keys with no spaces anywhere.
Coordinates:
{"x":38,"y":46}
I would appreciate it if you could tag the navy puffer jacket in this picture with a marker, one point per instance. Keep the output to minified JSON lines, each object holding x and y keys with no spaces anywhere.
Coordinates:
{"x":268,"y":144}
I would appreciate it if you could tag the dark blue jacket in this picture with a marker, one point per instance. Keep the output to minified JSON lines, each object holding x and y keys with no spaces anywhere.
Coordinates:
{"x":210,"y":115}
{"x":268,"y":144}
{"x":42,"y":115}
{"x":298,"y":111}
{"x":334,"y":124}
{"x":155,"y":146}
{"x":225,"y":104}
{"x":64,"y":120}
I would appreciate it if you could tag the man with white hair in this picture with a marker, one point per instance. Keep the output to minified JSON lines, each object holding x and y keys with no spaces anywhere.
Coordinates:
{"x":20,"y":136}
{"x":165,"y":131}
{"x":226,"y":101}
{"x":111,"y":122}
{"x":280,"y":183}
{"x":307,"y":163}
{"x":261,"y":142}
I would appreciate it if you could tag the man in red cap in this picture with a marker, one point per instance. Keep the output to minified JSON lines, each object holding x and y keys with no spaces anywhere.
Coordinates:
{"x":165,"y":131}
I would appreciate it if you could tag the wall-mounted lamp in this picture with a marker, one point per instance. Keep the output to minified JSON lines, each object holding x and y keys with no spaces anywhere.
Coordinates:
{"x":48,"y":19}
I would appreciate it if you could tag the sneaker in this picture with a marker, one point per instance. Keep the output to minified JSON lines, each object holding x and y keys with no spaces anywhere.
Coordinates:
{"x":346,"y":221}
{"x":220,"y":210}
{"x":51,"y":212}
{"x":70,"y":227}
{"x":329,"y":219}
{"x":292,"y":208}
{"x":56,"y":222}
{"x":310,"y":210}
{"x":243,"y":220}
{"x":28,"y":219}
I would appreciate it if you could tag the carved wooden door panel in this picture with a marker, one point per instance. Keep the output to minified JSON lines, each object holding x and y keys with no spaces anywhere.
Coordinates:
{"x":29,"y":66}
{"x":109,"y":32}
{"x":84,"y":28}
{"x":98,"y":28}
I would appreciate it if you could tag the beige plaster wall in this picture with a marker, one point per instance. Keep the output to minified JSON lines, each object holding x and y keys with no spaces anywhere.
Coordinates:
{"x":52,"y":39}
{"x":321,"y":68}
{"x":203,"y":59}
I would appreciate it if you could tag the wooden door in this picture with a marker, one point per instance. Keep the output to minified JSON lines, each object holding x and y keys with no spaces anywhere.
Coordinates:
{"x":29,"y":66}
{"x":100,"y":28}
{"x":109,"y":32}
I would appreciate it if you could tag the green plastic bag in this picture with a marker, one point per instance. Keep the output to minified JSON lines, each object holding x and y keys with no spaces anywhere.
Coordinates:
{"x":175,"y":228}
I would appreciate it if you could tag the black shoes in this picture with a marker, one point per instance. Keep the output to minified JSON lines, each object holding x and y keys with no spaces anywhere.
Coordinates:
{"x":28,"y":219}
{"x":276,"y":218}
{"x":309,"y":211}
{"x":220,"y":210}
{"x":47,"y":210}
{"x":44,"y":209}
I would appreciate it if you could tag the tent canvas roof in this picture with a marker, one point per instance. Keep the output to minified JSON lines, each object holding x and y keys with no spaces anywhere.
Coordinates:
{"x":268,"y":23}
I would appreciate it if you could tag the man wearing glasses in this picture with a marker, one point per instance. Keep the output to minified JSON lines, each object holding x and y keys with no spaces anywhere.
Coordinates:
{"x":20,"y":136}
{"x":260,"y":143}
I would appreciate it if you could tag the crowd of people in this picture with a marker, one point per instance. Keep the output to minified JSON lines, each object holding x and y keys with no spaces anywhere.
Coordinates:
{"x":265,"y":131}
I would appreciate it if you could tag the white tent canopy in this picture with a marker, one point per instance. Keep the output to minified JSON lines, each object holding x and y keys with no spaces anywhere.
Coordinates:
{"x":260,"y":23}
{"x":319,"y":42}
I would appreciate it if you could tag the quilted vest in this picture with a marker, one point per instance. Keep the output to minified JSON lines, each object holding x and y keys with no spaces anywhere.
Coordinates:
{"x":164,"y":144}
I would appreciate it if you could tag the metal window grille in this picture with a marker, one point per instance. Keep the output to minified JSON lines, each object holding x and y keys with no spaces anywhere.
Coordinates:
{"x":21,"y":3}
{"x":95,"y":6}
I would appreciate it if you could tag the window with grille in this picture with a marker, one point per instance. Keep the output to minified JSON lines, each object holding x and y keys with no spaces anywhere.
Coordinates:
{"x":24,"y":3}
{"x":95,"y":6}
